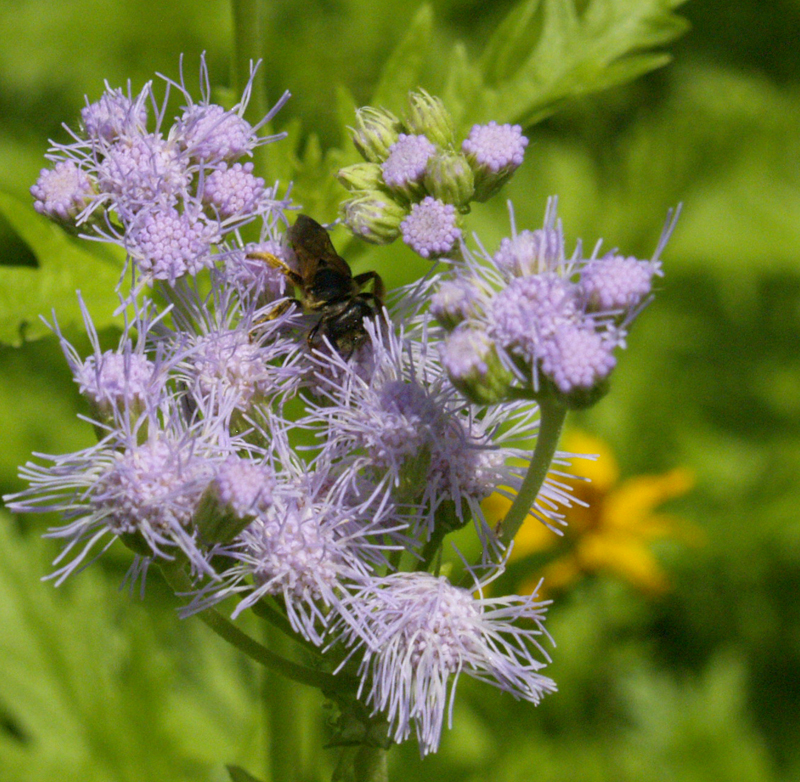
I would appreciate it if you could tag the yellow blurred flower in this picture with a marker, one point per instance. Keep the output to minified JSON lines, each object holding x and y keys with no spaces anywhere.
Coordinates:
{"x":612,"y":534}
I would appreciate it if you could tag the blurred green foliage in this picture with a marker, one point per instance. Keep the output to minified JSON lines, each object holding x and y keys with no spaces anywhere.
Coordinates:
{"x":701,"y":684}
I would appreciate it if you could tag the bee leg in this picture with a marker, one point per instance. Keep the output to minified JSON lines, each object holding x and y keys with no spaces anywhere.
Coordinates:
{"x":280,"y":308}
{"x":277,"y":263}
{"x":312,"y":334}
{"x":377,"y":283}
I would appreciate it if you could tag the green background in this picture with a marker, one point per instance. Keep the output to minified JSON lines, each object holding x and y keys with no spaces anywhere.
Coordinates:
{"x":700,"y":684}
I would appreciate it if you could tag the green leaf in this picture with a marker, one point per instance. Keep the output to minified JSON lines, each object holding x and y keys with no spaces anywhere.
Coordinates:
{"x":64,"y":267}
{"x":238,"y":774}
{"x":91,"y":690}
{"x":401,"y":73}
{"x":547,"y":51}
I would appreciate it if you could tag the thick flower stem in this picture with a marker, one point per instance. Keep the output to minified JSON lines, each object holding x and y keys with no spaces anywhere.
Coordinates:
{"x":361,"y":764}
{"x":552,"y":418}
{"x":179,"y":581}
{"x":370,"y":765}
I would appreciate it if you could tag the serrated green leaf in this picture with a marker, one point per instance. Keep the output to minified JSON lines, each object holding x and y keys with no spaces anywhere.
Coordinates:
{"x":511,"y":38}
{"x":238,"y":774}
{"x":546,"y":52}
{"x":401,"y":73}
{"x":92,"y":691}
{"x":64,"y":267}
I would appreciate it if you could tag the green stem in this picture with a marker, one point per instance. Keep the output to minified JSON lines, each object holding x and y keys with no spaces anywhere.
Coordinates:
{"x":179,"y":581}
{"x":551,"y":421}
{"x":370,"y":765}
{"x":361,"y":764}
{"x":268,"y":613}
{"x":287,"y":721}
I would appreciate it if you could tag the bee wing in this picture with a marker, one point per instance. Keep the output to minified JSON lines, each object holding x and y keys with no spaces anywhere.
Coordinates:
{"x":313,"y":248}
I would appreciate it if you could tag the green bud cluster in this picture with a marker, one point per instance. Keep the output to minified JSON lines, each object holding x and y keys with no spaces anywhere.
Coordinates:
{"x":374,"y":210}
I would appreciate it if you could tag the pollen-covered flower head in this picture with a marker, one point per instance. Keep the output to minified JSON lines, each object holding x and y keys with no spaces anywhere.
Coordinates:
{"x":116,"y":114}
{"x":418,"y":634}
{"x":305,"y":547}
{"x":142,"y":482}
{"x":167,"y":244}
{"x":431,"y":230}
{"x":62,"y":192}
{"x":233,"y":190}
{"x":405,"y":166}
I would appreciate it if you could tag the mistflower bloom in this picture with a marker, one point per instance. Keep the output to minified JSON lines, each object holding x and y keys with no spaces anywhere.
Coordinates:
{"x":431,"y":229}
{"x":578,"y":358}
{"x":166,"y":244}
{"x":615,"y":282}
{"x":227,"y":365}
{"x":472,"y":364}
{"x":116,"y":114}
{"x":114,"y":378}
{"x":531,"y":252}
{"x":454,"y":301}
{"x":494,"y":147}
{"x":531,"y":310}
{"x":240,"y":490}
{"x":403,"y":429}
{"x":419,"y":633}
{"x":123,"y":378}
{"x":144,"y":492}
{"x":243,"y":485}
{"x":63,"y":191}
{"x":209,"y":133}
{"x":253,"y":277}
{"x":305,"y":548}
{"x":406,"y":163}
{"x":137,"y":170}
{"x":233,"y":191}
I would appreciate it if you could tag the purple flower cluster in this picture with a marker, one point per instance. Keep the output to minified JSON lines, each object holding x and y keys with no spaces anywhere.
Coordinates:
{"x":528,"y":320}
{"x":416,"y":182}
{"x":168,"y":196}
{"x":287,"y":475}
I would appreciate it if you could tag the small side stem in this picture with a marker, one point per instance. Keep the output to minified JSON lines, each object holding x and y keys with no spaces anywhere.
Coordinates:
{"x":179,"y":581}
{"x":550,"y":424}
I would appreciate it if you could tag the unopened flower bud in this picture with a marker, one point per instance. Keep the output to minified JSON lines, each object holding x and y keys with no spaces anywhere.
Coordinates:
{"x":404,"y":169}
{"x":495,"y":152}
{"x":453,"y":302}
{"x":375,"y":131}
{"x":449,"y":178}
{"x":238,"y":493}
{"x":373,"y":216}
{"x":427,"y":116}
{"x":360,"y":176}
{"x":474,"y":368}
